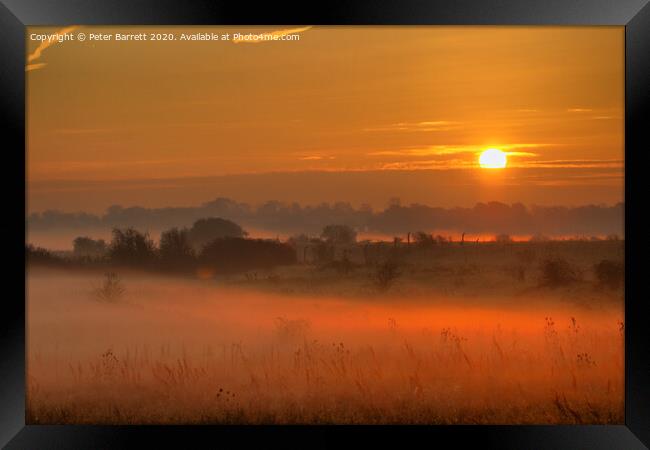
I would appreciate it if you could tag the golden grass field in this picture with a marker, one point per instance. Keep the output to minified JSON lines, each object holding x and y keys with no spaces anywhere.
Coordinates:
{"x":303,"y":346}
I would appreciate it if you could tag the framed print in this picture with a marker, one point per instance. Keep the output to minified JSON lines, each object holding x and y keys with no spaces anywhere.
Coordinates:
{"x":403,"y":221}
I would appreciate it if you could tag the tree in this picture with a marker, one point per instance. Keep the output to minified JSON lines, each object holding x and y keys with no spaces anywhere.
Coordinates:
{"x":231,"y":255}
{"x":386,"y":274}
{"x":84,"y":246}
{"x":440,"y":240}
{"x":132,"y":248}
{"x":558,"y":272}
{"x":503,"y":238}
{"x":609,"y":273}
{"x":175,"y":249}
{"x":207,"y":230}
{"x":423,"y":240}
{"x":339,"y":234}
{"x":39,"y":255}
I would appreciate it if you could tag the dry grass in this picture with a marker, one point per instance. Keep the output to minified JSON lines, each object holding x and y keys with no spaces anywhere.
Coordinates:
{"x":190,"y":352}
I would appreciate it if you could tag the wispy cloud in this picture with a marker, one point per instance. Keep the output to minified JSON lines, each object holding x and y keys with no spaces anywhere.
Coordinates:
{"x":315,"y":157}
{"x":510,"y":149}
{"x":76,"y":131}
{"x":273,"y":35}
{"x":46,"y":43}
{"x":579,"y":110}
{"x":435,"y":125}
{"x":36,"y":66}
{"x":427,"y":164}
{"x":578,"y":163}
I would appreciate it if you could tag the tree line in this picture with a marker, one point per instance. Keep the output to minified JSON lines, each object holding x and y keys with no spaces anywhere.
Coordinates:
{"x":490,"y":217}
{"x":214,"y":244}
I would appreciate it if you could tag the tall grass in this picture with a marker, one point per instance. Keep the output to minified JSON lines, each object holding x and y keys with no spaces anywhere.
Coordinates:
{"x":560,"y":373}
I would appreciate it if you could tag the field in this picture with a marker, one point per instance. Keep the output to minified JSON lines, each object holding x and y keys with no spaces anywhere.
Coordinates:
{"x":462,"y":335}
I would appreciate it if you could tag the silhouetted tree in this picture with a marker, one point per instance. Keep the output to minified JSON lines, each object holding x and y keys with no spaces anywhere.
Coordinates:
{"x":39,"y":255}
{"x":441,"y":240}
{"x":339,"y":234}
{"x":423,"y":240}
{"x":175,"y":249}
{"x":207,"y":230}
{"x":558,"y":272}
{"x":231,"y":255}
{"x":131,"y":248}
{"x":385,"y":274}
{"x":84,"y":246}
{"x":609,"y":273}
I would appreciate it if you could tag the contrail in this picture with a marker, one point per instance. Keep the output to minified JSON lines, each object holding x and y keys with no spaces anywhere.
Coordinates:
{"x":45,"y":44}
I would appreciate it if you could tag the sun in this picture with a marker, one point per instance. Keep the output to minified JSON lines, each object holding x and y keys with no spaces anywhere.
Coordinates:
{"x":493,"y":158}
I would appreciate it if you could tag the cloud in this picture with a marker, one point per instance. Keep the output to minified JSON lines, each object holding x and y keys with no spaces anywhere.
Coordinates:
{"x":458,"y":149}
{"x":314,"y":158}
{"x":46,"y":43}
{"x":578,"y":163}
{"x":435,"y":125}
{"x":271,"y":36}
{"x":579,"y":110}
{"x":428,"y":164}
{"x":525,"y":154}
{"x":36,"y":66}
{"x":74,"y":131}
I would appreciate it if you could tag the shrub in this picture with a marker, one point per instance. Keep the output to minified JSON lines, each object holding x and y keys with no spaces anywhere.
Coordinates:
{"x":111,"y":289}
{"x":423,"y":240}
{"x":39,"y":255}
{"x":609,"y":273}
{"x":232,"y":255}
{"x":176,"y":253}
{"x":339,"y":234}
{"x":386,"y":274}
{"x":558,"y":272}
{"x":131,"y":248}
{"x":207,"y":230}
{"x":86,"y":247}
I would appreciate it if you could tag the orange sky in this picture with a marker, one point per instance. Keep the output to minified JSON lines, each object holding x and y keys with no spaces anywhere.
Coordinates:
{"x":178,"y":123}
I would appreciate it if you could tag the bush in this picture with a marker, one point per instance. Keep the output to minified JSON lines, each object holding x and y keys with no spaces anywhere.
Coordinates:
{"x":176,"y":253}
{"x":339,"y":234}
{"x":610,"y":273}
{"x":207,"y":230}
{"x":423,"y":240}
{"x":386,"y":274}
{"x":558,"y":272}
{"x":39,"y":255}
{"x":129,"y":247}
{"x":232,"y":255}
{"x":86,"y":247}
{"x":111,"y":289}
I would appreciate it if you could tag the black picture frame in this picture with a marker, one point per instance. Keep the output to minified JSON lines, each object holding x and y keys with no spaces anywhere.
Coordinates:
{"x":15,"y":15}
